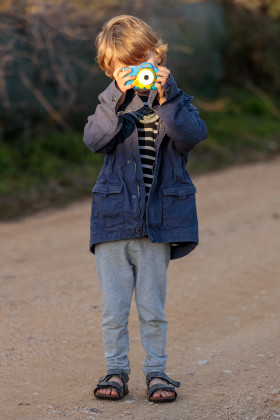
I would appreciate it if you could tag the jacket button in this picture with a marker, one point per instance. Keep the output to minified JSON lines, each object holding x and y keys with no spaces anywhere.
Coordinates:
{"x":137,"y":230}
{"x":134,"y":196}
{"x":129,"y":162}
{"x":114,"y":98}
{"x":168,"y":89}
{"x":162,"y":128}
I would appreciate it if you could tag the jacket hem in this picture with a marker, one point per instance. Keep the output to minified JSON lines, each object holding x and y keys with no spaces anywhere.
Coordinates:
{"x":188,"y":239}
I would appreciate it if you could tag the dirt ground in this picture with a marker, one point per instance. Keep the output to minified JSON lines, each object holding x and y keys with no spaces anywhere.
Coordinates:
{"x":223,"y":308}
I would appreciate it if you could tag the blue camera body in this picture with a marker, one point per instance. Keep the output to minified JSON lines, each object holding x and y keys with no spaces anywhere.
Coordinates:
{"x":145,"y":76}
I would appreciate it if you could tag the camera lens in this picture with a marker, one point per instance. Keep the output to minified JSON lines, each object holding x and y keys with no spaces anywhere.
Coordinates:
{"x":146,"y":77}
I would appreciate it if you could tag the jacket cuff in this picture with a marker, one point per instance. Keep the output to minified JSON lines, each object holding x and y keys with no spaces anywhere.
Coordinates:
{"x":111,"y":95}
{"x":171,"y":89}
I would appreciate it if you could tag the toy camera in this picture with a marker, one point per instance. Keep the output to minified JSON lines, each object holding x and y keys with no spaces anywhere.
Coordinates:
{"x":145,"y":76}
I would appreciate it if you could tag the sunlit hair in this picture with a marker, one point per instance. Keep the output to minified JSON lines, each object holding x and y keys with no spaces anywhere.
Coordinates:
{"x":127,"y":39}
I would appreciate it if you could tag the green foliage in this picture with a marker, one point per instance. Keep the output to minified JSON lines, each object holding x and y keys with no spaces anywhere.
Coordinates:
{"x":7,"y":161}
{"x":45,"y":155}
{"x":243,"y":132}
{"x":46,"y":170}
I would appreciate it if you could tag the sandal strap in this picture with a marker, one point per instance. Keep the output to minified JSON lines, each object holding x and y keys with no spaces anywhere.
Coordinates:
{"x":161,"y":387}
{"x":120,"y":389}
{"x":161,"y":375}
{"x":115,"y":372}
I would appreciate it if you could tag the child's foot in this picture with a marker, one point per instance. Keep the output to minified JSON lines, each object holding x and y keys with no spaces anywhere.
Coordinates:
{"x":111,"y":390}
{"x":160,"y":393}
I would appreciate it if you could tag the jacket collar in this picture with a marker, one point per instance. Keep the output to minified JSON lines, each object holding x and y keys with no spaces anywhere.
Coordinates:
{"x":133,"y":102}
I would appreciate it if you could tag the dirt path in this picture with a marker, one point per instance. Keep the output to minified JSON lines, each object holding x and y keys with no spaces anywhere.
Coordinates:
{"x":223,"y":309}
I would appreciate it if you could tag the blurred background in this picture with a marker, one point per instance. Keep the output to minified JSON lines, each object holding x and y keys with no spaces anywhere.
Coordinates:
{"x":226,"y":53}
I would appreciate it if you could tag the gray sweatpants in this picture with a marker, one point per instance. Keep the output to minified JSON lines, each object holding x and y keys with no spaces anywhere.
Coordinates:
{"x":122,"y":266}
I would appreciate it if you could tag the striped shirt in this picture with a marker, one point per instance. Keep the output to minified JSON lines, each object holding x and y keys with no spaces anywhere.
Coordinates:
{"x":147,"y":135}
{"x":147,"y":127}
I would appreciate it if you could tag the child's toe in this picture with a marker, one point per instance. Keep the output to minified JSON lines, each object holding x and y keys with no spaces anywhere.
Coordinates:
{"x":156,"y":394}
{"x":114,"y":392}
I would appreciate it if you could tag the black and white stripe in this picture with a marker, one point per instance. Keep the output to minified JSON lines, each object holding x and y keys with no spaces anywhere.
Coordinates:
{"x":147,"y":135}
{"x":147,"y":127}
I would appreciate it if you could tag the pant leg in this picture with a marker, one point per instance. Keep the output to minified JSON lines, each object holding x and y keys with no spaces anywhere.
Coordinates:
{"x":151,"y":261}
{"x":116,"y":280}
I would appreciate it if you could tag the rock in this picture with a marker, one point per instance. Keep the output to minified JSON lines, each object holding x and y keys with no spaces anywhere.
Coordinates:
{"x":275,"y":391}
{"x":203,"y":362}
{"x":92,"y":410}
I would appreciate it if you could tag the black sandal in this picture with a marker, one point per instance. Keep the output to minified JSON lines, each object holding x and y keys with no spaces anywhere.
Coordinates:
{"x":158,"y":387}
{"x":105,"y":382}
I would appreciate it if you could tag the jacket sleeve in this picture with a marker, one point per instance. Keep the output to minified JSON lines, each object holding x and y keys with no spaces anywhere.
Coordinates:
{"x":105,"y":123}
{"x":180,"y":119}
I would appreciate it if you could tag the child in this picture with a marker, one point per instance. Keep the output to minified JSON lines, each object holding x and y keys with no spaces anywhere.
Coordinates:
{"x":143,"y":208}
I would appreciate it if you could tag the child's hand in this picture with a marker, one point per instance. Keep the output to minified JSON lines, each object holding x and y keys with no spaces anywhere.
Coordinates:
{"x":121,"y":77}
{"x":162,"y":77}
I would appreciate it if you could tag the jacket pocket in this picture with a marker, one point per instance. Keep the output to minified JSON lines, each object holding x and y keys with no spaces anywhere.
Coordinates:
{"x":178,"y":205}
{"x":107,"y":205}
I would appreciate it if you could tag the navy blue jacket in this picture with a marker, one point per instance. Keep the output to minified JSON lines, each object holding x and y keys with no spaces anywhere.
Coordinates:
{"x":119,"y":209}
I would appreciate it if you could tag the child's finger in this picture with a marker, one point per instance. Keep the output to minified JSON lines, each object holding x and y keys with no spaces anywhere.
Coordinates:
{"x":157,"y":85}
{"x":127,"y":87}
{"x":127,"y":79}
{"x":161,"y":80}
{"x":163,"y":74}
{"x":119,"y":72}
{"x":123,"y":73}
{"x":161,"y":68}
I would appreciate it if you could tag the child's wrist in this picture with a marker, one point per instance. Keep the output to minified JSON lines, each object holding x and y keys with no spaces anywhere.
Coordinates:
{"x":121,"y":100}
{"x":162,"y":100}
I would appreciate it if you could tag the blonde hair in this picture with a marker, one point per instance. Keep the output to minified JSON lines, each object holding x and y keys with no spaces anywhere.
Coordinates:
{"x":127,"y":39}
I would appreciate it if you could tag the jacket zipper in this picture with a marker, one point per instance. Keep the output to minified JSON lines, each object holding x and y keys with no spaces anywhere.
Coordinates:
{"x":135,"y":176}
{"x":138,"y":189}
{"x":158,"y":131}
{"x":156,"y":147}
